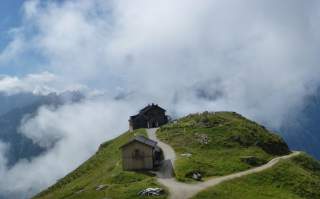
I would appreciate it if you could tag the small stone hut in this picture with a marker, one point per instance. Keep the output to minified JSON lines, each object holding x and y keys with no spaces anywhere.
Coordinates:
{"x":151,"y":116}
{"x":141,"y":153}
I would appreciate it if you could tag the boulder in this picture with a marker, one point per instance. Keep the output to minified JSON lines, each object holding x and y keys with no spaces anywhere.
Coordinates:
{"x":151,"y":192}
{"x":197,"y":176}
{"x":101,"y":187}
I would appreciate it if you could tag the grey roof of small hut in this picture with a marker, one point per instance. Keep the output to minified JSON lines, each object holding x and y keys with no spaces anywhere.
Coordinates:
{"x":143,"y":140}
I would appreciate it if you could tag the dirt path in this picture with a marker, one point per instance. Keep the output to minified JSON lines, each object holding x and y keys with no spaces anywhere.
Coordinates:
{"x":168,"y":151}
{"x":180,"y":190}
{"x":166,"y":170}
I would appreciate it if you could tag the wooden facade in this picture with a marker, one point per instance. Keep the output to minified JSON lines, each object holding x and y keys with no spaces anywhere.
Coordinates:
{"x":141,"y":153}
{"x":151,"y":116}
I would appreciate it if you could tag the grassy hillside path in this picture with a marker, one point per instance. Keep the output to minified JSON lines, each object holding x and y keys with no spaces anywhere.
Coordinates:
{"x":179,"y":190}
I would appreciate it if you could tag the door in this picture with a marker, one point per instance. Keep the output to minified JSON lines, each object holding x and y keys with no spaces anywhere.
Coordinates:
{"x":138,"y":159}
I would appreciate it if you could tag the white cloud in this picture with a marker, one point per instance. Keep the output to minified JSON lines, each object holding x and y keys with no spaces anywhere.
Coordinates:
{"x":78,"y":130}
{"x":13,"y":49}
{"x":259,"y":58}
{"x":38,"y":83}
{"x":30,"y":8}
{"x":29,"y":83}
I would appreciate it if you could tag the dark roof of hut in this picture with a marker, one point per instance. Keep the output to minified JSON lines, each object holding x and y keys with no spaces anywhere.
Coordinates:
{"x":146,"y":109}
{"x":143,"y":140}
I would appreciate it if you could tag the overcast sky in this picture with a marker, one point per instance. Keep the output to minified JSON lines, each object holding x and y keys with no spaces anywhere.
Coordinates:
{"x":259,"y":58}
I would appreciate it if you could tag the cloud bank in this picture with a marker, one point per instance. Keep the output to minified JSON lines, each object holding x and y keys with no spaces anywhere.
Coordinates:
{"x":72,"y":133}
{"x":253,"y":57}
{"x":36,"y":83}
{"x":259,"y":58}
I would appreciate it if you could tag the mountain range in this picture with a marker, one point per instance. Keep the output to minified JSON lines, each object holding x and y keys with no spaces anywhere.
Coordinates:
{"x":16,"y":107}
{"x":302,"y":130}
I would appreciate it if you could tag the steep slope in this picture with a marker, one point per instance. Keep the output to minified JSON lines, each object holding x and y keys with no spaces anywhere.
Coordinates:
{"x":216,"y":144}
{"x":296,"y":178}
{"x":103,"y":170}
{"x":213,"y":144}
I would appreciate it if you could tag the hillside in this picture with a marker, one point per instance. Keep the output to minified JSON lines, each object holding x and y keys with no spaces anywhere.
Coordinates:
{"x":297,"y":178}
{"x":213,"y":144}
{"x":219,"y":144}
{"x":104,"y":170}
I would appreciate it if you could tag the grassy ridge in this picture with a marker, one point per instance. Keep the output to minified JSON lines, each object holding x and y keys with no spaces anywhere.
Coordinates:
{"x":218,"y":143}
{"x":104,"y":168}
{"x":297,"y":178}
{"x":230,"y":139}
